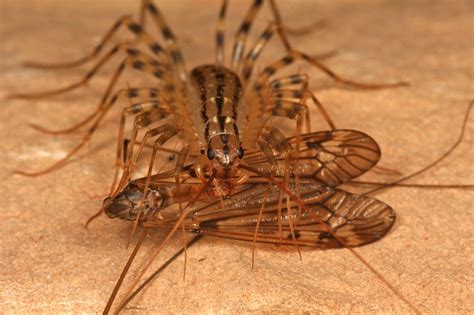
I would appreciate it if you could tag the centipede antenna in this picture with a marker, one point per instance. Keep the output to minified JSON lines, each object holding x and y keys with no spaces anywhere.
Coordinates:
{"x":435,"y":162}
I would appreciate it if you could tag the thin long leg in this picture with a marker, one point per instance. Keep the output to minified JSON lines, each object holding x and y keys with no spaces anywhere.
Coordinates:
{"x":242,"y":34}
{"x":279,"y":21}
{"x":171,"y":42}
{"x":257,"y":227}
{"x":141,"y":59}
{"x":296,"y":55}
{"x":124,"y":271}
{"x":134,"y":27}
{"x":153,"y":111}
{"x":254,"y":53}
{"x":165,"y":132}
{"x":159,"y":270}
{"x":130,"y":93}
{"x":133,"y":60}
{"x":387,"y":185}
{"x":181,"y":160}
{"x":220,"y":38}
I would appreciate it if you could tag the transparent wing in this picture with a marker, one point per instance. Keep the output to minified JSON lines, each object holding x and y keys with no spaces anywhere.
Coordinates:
{"x":329,"y":157}
{"x":357,"y":219}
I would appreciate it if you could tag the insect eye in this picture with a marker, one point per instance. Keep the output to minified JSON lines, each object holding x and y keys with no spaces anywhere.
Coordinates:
{"x":210,"y":154}
{"x":240,"y":153}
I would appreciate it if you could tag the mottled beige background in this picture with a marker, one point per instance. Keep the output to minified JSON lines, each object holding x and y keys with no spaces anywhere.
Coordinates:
{"x":51,"y":264}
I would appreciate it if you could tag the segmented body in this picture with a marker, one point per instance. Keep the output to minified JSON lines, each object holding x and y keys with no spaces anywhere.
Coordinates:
{"x":220,"y":94}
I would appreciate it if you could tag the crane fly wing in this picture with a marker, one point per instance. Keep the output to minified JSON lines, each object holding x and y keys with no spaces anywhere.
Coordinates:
{"x":329,"y":157}
{"x":357,"y":219}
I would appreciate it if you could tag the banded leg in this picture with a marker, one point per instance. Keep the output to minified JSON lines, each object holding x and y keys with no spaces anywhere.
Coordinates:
{"x":127,"y":21}
{"x":141,"y":60}
{"x":296,"y":55}
{"x":220,"y":34}
{"x":164,"y":133}
{"x":254,"y":53}
{"x":170,"y":39}
{"x":302,"y":95}
{"x":134,"y":61}
{"x":242,"y":34}
{"x":130,"y":93}
{"x":146,"y":113}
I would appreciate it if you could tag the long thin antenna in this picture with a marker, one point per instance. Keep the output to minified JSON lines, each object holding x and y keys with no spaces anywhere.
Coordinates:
{"x":442,"y":157}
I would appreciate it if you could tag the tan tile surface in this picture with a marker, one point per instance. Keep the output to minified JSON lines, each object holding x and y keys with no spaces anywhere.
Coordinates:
{"x":51,"y":264}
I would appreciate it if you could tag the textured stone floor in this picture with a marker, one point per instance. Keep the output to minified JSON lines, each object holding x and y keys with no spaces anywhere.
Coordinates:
{"x":52,"y":264}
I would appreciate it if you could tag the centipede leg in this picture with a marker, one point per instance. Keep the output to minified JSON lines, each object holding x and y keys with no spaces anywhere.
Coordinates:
{"x":242,"y":34}
{"x":141,"y":36}
{"x":265,"y":37}
{"x":220,"y":33}
{"x":124,"y":20}
{"x":146,"y":112}
{"x":133,"y":60}
{"x":170,"y":40}
{"x":297,"y":55}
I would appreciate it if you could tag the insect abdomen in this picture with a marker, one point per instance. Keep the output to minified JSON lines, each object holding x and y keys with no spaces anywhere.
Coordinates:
{"x":219,"y":93}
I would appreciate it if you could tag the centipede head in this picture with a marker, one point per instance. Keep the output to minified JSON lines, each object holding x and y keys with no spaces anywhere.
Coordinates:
{"x":221,"y":158}
{"x":224,"y":150}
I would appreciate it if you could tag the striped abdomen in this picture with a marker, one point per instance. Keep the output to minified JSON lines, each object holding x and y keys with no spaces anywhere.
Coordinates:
{"x":219,"y":92}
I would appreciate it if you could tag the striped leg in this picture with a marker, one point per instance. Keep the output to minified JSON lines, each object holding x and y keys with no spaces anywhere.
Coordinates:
{"x":170,"y":39}
{"x":292,"y":31}
{"x":127,"y":21}
{"x":164,"y":133}
{"x":303,"y":93}
{"x":296,"y":55}
{"x":145,"y":113}
{"x":220,"y":34}
{"x":141,"y":36}
{"x":133,"y":60}
{"x":124,"y":92}
{"x":292,"y":109}
{"x":254,"y":53}
{"x":242,"y":34}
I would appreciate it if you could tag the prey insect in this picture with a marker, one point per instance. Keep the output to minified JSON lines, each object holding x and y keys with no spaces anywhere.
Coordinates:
{"x":237,"y":175}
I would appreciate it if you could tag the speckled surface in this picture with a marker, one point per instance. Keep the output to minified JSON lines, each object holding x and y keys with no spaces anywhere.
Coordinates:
{"x":52,"y":264}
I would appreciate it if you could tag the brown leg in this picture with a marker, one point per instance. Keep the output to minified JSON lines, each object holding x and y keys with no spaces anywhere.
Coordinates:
{"x":133,"y":60}
{"x":242,"y":33}
{"x":220,"y":34}
{"x":135,"y":28}
{"x":296,"y":55}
